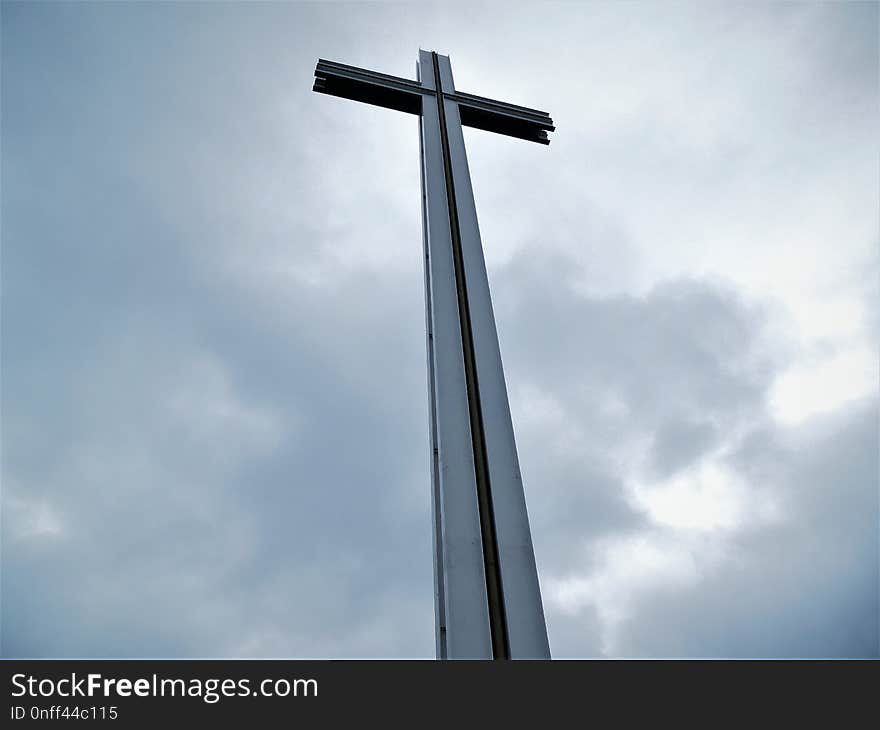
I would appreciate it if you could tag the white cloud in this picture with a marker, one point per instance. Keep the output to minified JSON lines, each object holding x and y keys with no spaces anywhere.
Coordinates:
{"x":626,"y":570}
{"x":809,"y":389}
{"x":706,"y":496}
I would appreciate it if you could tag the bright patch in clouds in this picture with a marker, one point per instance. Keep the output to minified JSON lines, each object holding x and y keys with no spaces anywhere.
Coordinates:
{"x":707,"y":496}
{"x":626,"y":570}
{"x":812,"y":389}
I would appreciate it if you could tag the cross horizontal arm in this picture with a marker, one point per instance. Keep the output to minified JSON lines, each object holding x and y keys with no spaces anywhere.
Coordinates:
{"x":496,"y":116}
{"x":393,"y":92}
{"x":358,"y":84}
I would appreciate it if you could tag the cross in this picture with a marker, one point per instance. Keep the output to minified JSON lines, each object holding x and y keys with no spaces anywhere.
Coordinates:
{"x":487,"y":600}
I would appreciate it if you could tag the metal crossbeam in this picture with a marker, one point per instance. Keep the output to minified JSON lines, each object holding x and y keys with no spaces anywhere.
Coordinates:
{"x":394,"y":92}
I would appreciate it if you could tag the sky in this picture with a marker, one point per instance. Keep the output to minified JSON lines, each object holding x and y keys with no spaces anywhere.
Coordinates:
{"x":214,"y":393}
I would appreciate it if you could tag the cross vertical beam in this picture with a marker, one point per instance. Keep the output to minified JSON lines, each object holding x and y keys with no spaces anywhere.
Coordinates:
{"x":499,"y":524}
{"x":487,"y":596}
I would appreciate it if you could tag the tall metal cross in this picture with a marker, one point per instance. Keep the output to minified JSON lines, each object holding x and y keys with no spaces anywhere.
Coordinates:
{"x":487,"y":599}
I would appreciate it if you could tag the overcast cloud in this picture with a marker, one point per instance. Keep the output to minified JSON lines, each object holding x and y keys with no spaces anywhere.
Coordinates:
{"x":214,"y":410}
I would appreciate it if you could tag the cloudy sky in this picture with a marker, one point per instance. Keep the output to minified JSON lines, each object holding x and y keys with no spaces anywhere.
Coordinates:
{"x":214,"y":410}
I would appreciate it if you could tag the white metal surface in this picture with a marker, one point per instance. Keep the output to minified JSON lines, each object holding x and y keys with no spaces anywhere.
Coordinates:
{"x":524,"y":614}
{"x":461,"y":582}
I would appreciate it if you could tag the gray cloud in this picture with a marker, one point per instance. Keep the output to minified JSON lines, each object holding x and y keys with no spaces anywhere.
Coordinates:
{"x":214,"y":421}
{"x":807,"y":587}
